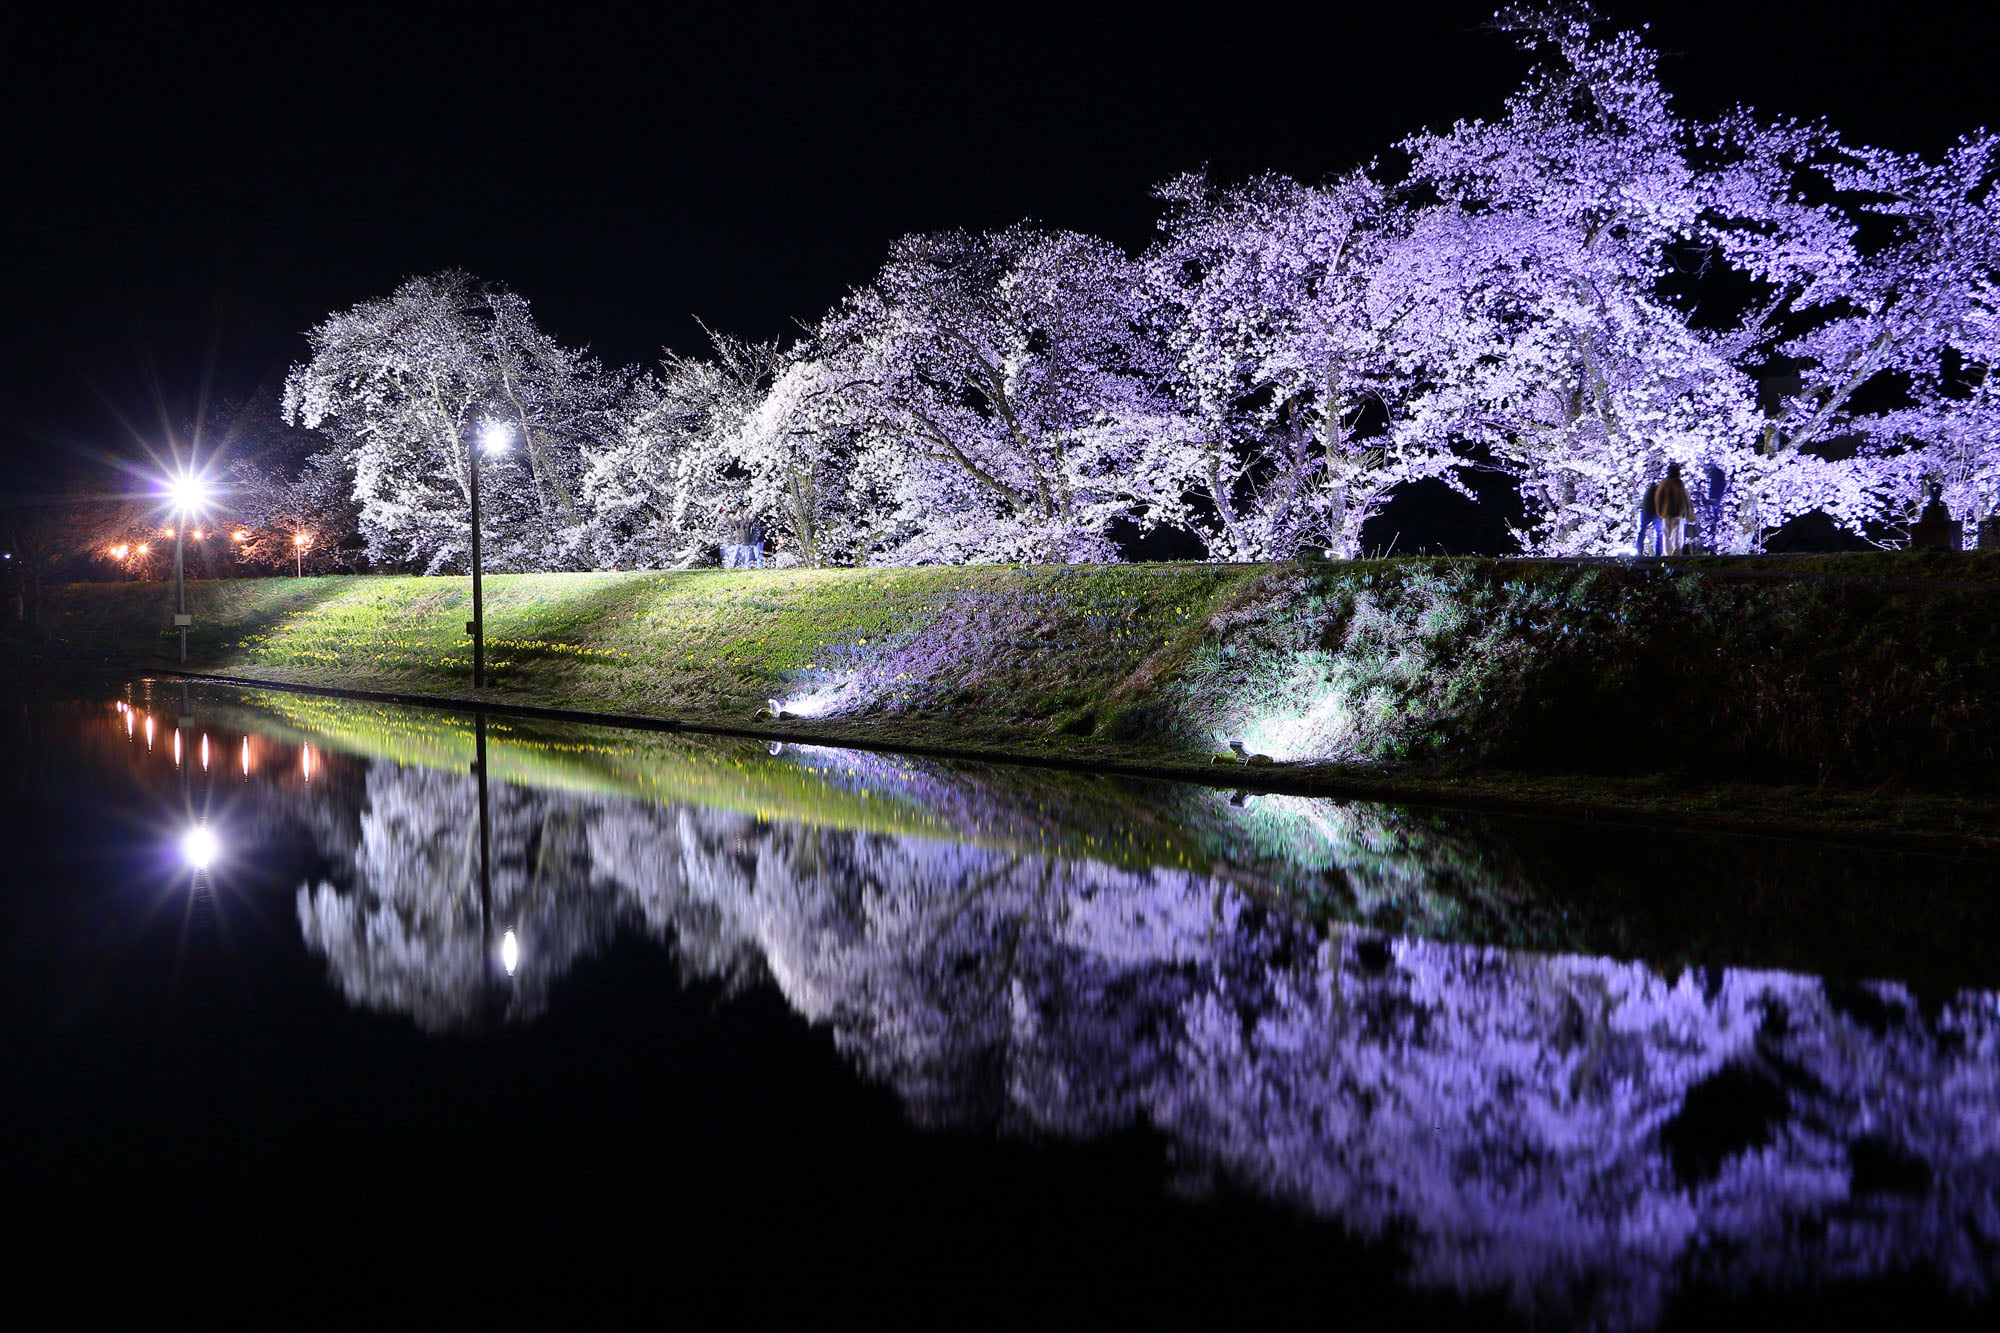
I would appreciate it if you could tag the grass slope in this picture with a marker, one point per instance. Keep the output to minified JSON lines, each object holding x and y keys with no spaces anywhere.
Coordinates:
{"x":1715,"y":687}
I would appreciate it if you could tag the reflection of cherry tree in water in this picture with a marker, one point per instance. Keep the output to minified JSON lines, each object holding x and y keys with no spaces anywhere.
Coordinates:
{"x":1582,"y":1134}
{"x":412,"y":935}
{"x":1579,"y":1132}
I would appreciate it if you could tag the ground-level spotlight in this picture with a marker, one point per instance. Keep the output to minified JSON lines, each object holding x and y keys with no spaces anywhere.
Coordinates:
{"x":199,"y":847}
{"x":1240,"y":753}
{"x":510,"y":952}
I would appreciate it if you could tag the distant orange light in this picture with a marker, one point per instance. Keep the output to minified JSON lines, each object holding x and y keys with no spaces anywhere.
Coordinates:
{"x":166,"y":532}
{"x":143,"y":548}
{"x":119,"y":552}
{"x":298,"y":539}
{"x":306,"y":763}
{"x":242,"y":537}
{"x":198,"y":534}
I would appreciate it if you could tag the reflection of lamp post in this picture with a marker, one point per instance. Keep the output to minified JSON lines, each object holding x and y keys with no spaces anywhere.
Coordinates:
{"x":493,"y":438}
{"x":510,"y":947}
{"x":186,"y":493}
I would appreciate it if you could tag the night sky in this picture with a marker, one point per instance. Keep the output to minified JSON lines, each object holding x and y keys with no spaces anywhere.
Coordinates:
{"x":186,"y":194}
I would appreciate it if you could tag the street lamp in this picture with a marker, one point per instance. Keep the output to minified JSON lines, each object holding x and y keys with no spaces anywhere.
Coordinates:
{"x":299,"y":544}
{"x":186,"y":493}
{"x":494,"y":437}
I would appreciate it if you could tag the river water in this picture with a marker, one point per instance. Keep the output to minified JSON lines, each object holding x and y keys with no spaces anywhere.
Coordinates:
{"x":319,"y":1011}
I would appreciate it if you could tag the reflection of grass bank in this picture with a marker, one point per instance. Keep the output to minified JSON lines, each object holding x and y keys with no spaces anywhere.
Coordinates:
{"x":1670,"y":900}
{"x":722,"y":773}
{"x":1427,"y":675}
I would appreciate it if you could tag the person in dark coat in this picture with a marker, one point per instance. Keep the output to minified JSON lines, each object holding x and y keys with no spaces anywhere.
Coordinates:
{"x":1648,"y":520}
{"x":1673,"y":506}
{"x":1935,"y":527}
{"x":745,"y":549}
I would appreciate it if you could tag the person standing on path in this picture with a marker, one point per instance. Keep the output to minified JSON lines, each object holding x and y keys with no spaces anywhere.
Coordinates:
{"x":1672,"y":506}
{"x":743,"y":540}
{"x":730,"y":550}
{"x":1648,"y":520}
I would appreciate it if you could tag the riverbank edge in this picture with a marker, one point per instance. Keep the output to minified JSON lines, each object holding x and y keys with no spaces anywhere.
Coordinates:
{"x":1734,"y":808}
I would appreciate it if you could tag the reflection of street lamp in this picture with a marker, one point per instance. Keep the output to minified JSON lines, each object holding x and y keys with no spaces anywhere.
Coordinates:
{"x":186,"y":493}
{"x":199,"y":847}
{"x":494,"y":438}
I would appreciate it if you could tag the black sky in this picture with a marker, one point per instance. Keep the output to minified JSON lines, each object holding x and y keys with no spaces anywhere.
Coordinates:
{"x":187,"y":192}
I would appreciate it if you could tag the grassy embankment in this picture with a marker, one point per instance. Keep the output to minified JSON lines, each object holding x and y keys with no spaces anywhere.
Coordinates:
{"x":1708,"y":692}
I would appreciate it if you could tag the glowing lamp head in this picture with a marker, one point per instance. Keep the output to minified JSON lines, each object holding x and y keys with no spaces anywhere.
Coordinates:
{"x":199,"y":847}
{"x":143,"y":548}
{"x":187,"y":493}
{"x":510,"y":952}
{"x":495,"y":437}
{"x":241,"y":536}
{"x":298,"y":539}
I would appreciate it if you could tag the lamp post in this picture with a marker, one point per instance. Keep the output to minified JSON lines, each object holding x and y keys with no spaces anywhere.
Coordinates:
{"x":185,"y":493}
{"x":299,"y":553}
{"x":493,"y":438}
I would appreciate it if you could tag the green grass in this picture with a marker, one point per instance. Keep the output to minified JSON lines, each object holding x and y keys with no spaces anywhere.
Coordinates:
{"x":1640,"y":684}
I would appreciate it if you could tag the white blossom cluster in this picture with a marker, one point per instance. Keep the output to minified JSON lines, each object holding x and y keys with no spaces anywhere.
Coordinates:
{"x":1557,"y":293}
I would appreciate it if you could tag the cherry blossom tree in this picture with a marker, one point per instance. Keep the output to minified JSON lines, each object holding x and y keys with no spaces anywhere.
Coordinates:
{"x":1590,"y":217}
{"x":1579,"y":291}
{"x":402,"y":383}
{"x":1008,"y":387}
{"x":656,"y":491}
{"x":1537,"y":282}
{"x":1285,"y":364}
{"x":807,"y":450}
{"x":1878,"y":272}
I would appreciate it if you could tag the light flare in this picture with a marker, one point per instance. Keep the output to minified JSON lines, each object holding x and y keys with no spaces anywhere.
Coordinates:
{"x":199,"y":847}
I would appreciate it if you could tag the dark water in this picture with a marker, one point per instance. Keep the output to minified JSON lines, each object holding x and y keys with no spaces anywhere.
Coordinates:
{"x":686,"y":1029}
